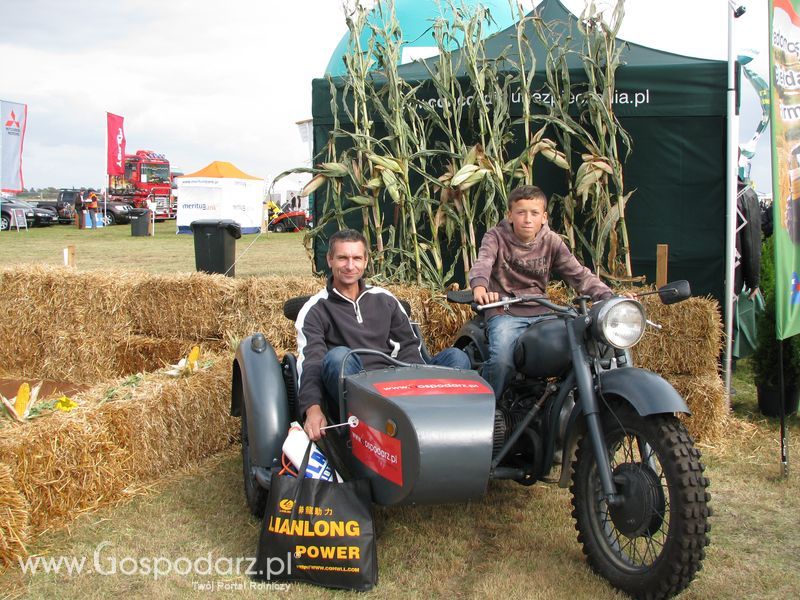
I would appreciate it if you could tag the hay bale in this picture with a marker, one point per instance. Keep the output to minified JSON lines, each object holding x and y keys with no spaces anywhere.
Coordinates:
{"x":705,"y":395}
{"x":258,"y":306}
{"x":14,"y":518}
{"x":64,"y":321}
{"x":188,"y":306}
{"x":690,"y":341}
{"x":141,"y":353}
{"x":165,"y":422}
{"x":64,"y":464}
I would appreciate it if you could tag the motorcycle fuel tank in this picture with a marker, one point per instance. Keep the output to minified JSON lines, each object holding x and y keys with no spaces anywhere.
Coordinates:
{"x":424,"y":433}
{"x":543,"y":349}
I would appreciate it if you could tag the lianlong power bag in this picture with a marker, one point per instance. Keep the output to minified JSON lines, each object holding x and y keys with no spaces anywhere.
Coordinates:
{"x":318,"y":532}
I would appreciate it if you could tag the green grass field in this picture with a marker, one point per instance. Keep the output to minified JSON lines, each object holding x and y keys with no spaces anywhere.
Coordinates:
{"x":517,"y":542}
{"x":165,"y":252}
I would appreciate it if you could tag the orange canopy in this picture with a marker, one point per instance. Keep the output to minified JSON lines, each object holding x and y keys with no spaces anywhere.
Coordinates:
{"x":220,"y":168}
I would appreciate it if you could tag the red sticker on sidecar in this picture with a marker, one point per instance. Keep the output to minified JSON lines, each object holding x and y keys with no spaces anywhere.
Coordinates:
{"x":378,"y":451}
{"x":432,"y":387}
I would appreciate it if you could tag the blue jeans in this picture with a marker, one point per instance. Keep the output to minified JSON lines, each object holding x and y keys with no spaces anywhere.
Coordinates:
{"x":504,"y":331}
{"x":332,"y":366}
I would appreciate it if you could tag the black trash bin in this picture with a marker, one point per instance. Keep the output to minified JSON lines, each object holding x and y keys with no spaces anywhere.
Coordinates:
{"x":215,"y":245}
{"x":140,"y":223}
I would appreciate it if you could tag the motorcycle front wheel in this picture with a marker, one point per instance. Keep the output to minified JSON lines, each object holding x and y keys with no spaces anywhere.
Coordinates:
{"x":653,"y":542}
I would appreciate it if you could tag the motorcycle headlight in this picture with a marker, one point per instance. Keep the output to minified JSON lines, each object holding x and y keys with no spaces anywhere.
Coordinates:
{"x":619,"y":322}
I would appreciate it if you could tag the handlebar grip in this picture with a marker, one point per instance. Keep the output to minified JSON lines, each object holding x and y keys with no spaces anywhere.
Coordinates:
{"x":460,"y":296}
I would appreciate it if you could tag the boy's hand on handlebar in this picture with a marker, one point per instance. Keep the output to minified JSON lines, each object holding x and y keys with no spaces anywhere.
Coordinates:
{"x":482,"y":296}
{"x":314,"y":422}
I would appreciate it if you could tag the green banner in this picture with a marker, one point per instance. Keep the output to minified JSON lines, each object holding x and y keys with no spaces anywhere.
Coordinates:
{"x":784,"y":35}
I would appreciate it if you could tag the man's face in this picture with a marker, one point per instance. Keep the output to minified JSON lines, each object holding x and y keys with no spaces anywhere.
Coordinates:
{"x":527,"y":215}
{"x":347,"y":262}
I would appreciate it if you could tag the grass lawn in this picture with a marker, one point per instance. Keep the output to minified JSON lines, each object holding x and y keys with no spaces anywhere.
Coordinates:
{"x":517,"y":542}
{"x":165,"y":252}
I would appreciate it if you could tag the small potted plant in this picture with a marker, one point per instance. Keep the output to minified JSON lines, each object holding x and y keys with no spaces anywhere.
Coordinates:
{"x":766,"y":359}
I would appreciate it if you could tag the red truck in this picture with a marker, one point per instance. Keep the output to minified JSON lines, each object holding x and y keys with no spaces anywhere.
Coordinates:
{"x":147,"y":178}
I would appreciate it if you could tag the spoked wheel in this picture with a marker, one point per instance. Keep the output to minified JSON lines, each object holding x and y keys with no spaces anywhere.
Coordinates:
{"x":4,"y":223}
{"x":255,"y":494}
{"x":653,"y":542}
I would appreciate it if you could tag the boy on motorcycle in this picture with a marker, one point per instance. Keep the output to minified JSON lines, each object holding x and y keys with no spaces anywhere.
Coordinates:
{"x":517,"y":257}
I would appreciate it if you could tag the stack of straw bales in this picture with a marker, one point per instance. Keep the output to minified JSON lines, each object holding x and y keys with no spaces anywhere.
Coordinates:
{"x":685,"y":353}
{"x":96,"y":328}
{"x":64,"y":464}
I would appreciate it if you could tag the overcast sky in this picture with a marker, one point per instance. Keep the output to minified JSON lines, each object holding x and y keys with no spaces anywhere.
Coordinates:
{"x":200,"y":81}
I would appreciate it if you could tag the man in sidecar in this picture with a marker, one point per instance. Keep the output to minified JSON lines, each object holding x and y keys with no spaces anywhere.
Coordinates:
{"x":349,"y":314}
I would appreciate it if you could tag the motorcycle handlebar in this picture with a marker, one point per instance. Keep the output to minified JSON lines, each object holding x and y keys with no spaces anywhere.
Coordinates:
{"x":465,"y":297}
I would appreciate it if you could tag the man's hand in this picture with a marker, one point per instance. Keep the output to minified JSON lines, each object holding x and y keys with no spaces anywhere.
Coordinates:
{"x":481,"y":296}
{"x":314,"y":423}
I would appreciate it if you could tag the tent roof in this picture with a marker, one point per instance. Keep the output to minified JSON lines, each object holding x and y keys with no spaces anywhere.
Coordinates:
{"x":223,"y":169}
{"x":649,"y":82}
{"x":564,"y":29}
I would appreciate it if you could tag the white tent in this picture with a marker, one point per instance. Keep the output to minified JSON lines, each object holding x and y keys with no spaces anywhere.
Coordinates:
{"x":220,"y":191}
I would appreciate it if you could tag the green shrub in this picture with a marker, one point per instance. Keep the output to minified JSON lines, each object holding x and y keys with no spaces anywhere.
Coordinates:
{"x":766,"y":359}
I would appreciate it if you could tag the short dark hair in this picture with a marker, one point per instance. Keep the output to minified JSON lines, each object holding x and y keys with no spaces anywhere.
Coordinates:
{"x":527,"y":192}
{"x":346,"y":235}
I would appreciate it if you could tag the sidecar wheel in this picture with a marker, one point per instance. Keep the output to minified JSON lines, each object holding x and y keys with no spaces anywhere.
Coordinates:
{"x":255,"y":494}
{"x":652,"y":544}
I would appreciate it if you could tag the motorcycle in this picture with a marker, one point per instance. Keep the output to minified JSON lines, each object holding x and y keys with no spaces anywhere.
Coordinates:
{"x":431,"y":435}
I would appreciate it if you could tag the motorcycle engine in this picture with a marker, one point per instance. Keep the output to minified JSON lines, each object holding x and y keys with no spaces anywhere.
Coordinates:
{"x":527,"y":451}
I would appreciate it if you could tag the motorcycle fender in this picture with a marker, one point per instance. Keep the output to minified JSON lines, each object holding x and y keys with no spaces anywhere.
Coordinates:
{"x":646,"y":391}
{"x":473,"y":331}
{"x":258,"y":383}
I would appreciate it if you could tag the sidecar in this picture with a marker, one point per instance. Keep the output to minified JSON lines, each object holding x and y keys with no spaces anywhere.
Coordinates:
{"x":424,"y":433}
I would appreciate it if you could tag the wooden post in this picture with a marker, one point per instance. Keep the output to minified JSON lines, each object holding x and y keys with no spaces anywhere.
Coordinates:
{"x":662,"y":255}
{"x":69,"y":256}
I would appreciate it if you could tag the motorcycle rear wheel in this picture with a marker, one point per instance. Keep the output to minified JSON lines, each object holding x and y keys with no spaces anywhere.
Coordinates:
{"x":653,"y":544}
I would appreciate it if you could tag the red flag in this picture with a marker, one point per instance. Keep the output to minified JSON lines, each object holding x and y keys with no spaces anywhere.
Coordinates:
{"x":116,"y":145}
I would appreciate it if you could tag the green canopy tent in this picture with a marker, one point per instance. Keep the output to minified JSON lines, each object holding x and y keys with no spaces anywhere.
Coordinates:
{"x":673,"y":107}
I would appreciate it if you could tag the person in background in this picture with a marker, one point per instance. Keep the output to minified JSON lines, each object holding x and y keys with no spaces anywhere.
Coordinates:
{"x":91,"y":206}
{"x":79,"y":210}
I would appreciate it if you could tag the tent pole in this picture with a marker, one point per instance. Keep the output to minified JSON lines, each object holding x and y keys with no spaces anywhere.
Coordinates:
{"x":730,"y":223}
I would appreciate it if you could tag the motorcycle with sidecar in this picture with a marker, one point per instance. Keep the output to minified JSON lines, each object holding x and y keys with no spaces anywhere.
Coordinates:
{"x":578,"y":413}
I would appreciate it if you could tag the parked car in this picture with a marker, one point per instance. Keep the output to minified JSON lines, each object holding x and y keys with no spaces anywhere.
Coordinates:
{"x":42,"y":216}
{"x":64,"y":210}
{"x":118,"y":212}
{"x":5,"y":213}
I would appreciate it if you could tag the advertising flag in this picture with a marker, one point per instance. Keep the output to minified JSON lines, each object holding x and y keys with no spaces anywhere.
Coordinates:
{"x":13,"y":118}
{"x":784,"y":37}
{"x":116,"y":145}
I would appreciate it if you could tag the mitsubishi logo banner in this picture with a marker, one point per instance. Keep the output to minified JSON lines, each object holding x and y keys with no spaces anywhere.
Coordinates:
{"x":116,"y":145}
{"x":13,"y":118}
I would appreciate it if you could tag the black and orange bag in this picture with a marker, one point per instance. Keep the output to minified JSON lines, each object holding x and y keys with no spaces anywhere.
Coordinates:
{"x":318,"y":532}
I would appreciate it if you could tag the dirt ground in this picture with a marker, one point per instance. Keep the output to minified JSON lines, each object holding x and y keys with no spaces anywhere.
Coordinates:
{"x":50,"y":389}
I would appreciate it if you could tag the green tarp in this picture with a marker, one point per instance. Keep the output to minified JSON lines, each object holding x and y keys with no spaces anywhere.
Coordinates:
{"x":673,"y":107}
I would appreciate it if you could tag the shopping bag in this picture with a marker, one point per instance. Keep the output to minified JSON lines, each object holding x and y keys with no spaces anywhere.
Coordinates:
{"x":745,"y":323}
{"x":318,"y":532}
